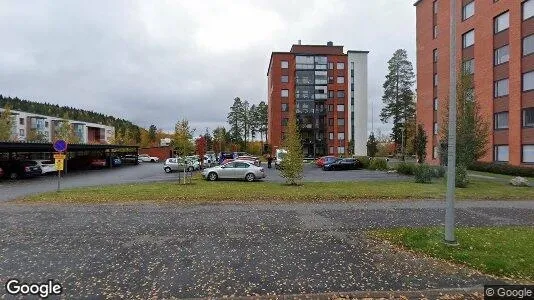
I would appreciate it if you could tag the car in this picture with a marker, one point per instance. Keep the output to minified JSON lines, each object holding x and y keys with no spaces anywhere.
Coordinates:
{"x":130,"y":159}
{"x":177,"y":164}
{"x":279,"y":157}
{"x":1,"y":172}
{"x":115,"y":161}
{"x":343,"y":164}
{"x":325,"y":160}
{"x":148,"y":158}
{"x":97,"y":163}
{"x":14,"y":169}
{"x":47,"y":166}
{"x":237,"y":169}
{"x":253,"y":159}
{"x":227,"y":161}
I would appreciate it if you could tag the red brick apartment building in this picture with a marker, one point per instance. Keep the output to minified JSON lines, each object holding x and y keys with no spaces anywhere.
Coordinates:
{"x":496,"y":44}
{"x":328,"y":91}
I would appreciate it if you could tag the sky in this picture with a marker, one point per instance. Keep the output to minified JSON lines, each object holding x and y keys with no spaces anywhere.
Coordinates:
{"x":157,"y":62}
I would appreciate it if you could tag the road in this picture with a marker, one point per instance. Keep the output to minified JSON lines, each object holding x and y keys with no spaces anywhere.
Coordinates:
{"x":150,"y":172}
{"x":149,"y":250}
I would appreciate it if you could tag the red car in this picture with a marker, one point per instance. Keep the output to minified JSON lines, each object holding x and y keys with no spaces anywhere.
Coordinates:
{"x":98,"y":163}
{"x":1,"y":173}
{"x":325,"y":160}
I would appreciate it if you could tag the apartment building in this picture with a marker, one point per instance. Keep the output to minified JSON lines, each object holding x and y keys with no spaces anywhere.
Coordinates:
{"x":327,"y":89}
{"x":495,"y":45}
{"x":89,"y":133}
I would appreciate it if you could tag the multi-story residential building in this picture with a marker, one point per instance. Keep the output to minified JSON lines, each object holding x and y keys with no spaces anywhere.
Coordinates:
{"x":327,"y":89}
{"x":89,"y":133}
{"x":496,"y":45}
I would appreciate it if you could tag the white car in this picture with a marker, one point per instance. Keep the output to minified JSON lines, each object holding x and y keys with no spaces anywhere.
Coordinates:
{"x":47,"y":166}
{"x":148,"y":158}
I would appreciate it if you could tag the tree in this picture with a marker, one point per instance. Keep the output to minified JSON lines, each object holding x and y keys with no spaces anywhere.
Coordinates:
{"x":200,"y":148}
{"x":235,"y":121}
{"x":209,"y":139}
{"x":220,"y":139}
{"x":152,"y":134}
{"x":372,"y":145}
{"x":6,"y":124}
{"x":420,"y":142}
{"x":398,"y":94}
{"x":292,"y":164}
{"x":65,"y":131}
{"x":262,"y":121}
{"x":183,"y":136}
{"x":36,"y":136}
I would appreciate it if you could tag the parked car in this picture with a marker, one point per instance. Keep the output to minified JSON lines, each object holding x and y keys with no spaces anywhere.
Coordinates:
{"x":148,"y":158}
{"x":115,"y":161}
{"x":47,"y":166}
{"x":343,"y":164}
{"x":325,"y":160}
{"x":177,"y":164}
{"x":130,"y":159}
{"x":253,"y":159}
{"x":1,"y":172}
{"x":14,"y":169}
{"x":238,"y":169}
{"x":279,"y":157}
{"x":228,"y":160}
{"x":97,"y":163}
{"x":193,"y":160}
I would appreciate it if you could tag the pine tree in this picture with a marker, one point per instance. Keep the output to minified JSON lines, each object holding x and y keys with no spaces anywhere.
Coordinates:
{"x":152,"y":134}
{"x":420,"y":142}
{"x":292,"y":165}
{"x":372,"y":145}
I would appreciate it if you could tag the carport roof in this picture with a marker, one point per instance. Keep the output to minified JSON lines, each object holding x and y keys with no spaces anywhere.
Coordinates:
{"x":48,"y":147}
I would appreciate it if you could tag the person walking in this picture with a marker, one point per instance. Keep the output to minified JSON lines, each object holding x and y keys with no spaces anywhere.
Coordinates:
{"x":269,"y":160}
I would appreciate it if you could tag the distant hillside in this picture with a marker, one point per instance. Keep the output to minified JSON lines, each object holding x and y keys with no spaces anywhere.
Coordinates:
{"x":122,"y":127}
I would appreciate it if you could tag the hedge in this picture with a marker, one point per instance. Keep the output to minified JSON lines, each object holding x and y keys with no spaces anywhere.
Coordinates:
{"x":505,"y":169}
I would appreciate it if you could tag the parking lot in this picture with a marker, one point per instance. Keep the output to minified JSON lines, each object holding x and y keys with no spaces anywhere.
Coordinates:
{"x":150,"y":172}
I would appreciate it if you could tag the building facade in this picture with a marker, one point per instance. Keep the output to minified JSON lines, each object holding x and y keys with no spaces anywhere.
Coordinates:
{"x":327,"y":89}
{"x":495,"y":43}
{"x":25,"y":123}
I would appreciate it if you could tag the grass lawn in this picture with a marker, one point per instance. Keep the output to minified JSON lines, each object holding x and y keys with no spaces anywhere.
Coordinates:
{"x":500,"y":251}
{"x":497,"y":176}
{"x":202,"y":191}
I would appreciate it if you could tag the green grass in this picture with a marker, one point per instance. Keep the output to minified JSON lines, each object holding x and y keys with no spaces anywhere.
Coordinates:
{"x":501,"y":251}
{"x":203,"y":191}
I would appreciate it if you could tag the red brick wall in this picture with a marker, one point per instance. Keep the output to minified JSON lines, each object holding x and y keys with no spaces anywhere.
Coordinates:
{"x":161,"y":152}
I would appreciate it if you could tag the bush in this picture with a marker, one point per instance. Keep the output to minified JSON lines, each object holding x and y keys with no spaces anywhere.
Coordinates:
{"x":378,"y":164}
{"x":461,"y":177}
{"x":423,"y":173}
{"x":439,"y":171}
{"x":500,"y":168}
{"x":406,"y":168}
{"x":364,"y":160}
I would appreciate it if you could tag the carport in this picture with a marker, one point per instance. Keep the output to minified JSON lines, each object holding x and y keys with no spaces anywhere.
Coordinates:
{"x":30,"y":150}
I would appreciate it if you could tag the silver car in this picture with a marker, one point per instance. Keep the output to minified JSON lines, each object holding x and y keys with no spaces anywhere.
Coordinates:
{"x":237,"y":169}
{"x":177,"y":164}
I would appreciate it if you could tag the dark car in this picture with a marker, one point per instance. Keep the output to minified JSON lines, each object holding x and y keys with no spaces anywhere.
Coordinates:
{"x":14,"y":169}
{"x":325,"y":160}
{"x":116,"y":162}
{"x":130,"y":159}
{"x":343,"y":164}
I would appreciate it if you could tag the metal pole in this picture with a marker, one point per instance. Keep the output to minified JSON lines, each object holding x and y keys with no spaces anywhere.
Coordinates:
{"x":58,"y":180}
{"x":451,"y":161}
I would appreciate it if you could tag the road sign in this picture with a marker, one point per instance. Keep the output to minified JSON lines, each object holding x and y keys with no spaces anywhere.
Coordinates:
{"x":59,"y":156}
{"x":60,"y":145}
{"x":59,"y":164}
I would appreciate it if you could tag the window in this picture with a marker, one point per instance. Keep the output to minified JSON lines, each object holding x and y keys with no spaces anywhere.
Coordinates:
{"x":528,"y":117}
{"x":435,"y":55}
{"x":502,"y":55}
{"x":435,"y":104}
{"x":285,"y":93}
{"x":46,"y":124}
{"x":528,"y":9}
{"x":435,"y":7}
{"x":341,"y":122}
{"x":330,"y":122}
{"x":284,"y":121}
{"x":469,"y":66}
{"x":501,"y":88}
{"x":341,"y":150}
{"x":330,"y":79}
{"x":501,"y":153}
{"x":331,"y":135}
{"x":436,"y":129}
{"x":435,"y":152}
{"x":501,"y":22}
{"x":330,"y":107}
{"x":241,"y":165}
{"x":285,"y":78}
{"x":21,"y":121}
{"x":284,"y":64}
{"x":330,"y":94}
{"x":528,"y":154}
{"x":285,"y":107}
{"x":352,"y":66}
{"x":468,"y":39}
{"x":340,"y":79}
{"x":435,"y":32}
{"x":501,"y":120}
{"x":21,"y":132}
{"x":331,"y":149}
{"x":341,"y":136}
{"x":528,"y":45}
{"x":436,"y":79}
{"x":340,"y":66}
{"x":330,"y":65}
{"x":341,"y":94}
{"x":528,"y":81}
{"x":341,"y":107}
{"x":468,"y":10}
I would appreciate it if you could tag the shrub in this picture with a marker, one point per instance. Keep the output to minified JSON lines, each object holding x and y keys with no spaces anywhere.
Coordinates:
{"x":364,"y":160}
{"x":406,"y":168}
{"x":439,"y":171}
{"x":378,"y":164}
{"x":423,"y":173}
{"x":500,"y":168}
{"x":461,"y":177}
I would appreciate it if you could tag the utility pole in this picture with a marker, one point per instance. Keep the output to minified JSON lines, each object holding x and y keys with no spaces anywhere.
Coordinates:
{"x":450,"y":238}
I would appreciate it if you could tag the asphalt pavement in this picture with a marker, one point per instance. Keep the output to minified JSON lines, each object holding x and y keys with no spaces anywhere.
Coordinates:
{"x":163,"y":251}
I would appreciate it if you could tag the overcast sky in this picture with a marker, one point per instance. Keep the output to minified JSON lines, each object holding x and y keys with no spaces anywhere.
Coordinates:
{"x":155,"y":62}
